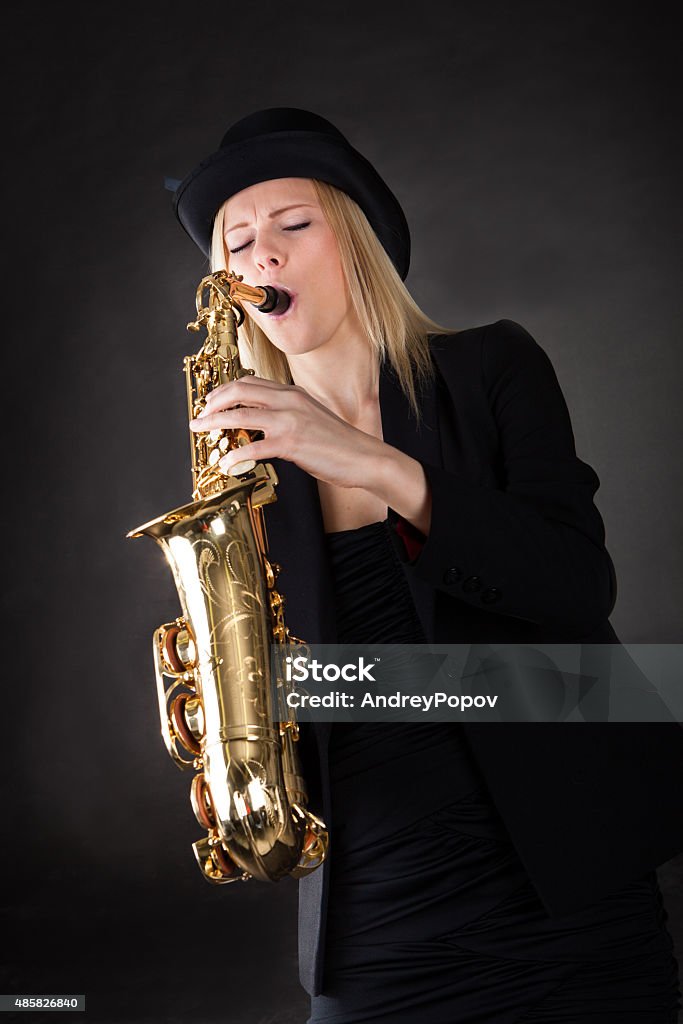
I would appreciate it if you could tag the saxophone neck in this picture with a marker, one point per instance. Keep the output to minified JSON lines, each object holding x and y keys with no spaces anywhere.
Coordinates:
{"x":226,"y":292}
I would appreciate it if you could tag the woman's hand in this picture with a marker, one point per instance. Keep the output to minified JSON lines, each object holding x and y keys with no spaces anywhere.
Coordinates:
{"x":296,"y":427}
{"x":300,"y":429}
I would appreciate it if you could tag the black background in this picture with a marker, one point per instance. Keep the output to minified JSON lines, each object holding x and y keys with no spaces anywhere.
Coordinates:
{"x":536,"y":151}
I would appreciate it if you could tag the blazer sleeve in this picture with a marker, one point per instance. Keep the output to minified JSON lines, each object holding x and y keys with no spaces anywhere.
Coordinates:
{"x":533,"y":549}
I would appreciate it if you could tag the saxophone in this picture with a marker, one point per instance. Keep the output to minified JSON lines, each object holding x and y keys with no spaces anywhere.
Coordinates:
{"x":218,"y":694}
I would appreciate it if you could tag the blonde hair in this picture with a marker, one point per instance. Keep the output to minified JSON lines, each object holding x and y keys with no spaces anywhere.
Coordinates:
{"x":393,"y":322}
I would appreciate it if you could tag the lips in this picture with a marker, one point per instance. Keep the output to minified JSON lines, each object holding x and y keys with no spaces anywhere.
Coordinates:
{"x":286,"y":303}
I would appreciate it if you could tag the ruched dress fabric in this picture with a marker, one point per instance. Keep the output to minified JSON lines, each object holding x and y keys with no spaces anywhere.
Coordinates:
{"x":432,"y":918}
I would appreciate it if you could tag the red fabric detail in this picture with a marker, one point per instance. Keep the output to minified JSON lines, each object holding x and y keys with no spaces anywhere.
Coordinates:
{"x":412,"y":539}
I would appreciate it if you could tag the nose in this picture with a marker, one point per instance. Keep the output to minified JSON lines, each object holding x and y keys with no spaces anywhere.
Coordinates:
{"x":267,"y":254}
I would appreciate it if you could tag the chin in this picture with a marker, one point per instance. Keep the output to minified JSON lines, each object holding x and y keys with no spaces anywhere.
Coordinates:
{"x":294,"y":343}
{"x":295,"y":349}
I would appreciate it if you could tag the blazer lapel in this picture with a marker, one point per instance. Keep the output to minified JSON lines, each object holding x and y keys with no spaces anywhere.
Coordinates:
{"x":399,"y":425}
{"x":422,"y":442}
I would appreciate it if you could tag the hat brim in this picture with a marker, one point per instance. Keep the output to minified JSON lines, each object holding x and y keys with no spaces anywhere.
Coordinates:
{"x":294,"y":154}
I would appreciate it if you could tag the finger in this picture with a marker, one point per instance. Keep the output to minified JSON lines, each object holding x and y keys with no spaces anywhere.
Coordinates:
{"x":242,"y":418}
{"x":251,"y":379}
{"x":257,"y":450}
{"x":246,"y":390}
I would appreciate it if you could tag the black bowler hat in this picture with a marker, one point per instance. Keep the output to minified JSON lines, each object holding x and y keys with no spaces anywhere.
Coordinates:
{"x":284,"y":142}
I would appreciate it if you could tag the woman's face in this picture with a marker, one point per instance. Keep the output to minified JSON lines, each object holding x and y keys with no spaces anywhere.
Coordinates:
{"x":277,"y":234}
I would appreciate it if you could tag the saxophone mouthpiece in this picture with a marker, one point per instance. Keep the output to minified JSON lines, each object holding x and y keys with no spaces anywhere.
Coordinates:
{"x":275,"y":301}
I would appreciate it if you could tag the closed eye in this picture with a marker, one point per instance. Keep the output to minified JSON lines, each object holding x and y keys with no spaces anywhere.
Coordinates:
{"x":297,"y":227}
{"x":239,"y":248}
{"x":292,"y":227}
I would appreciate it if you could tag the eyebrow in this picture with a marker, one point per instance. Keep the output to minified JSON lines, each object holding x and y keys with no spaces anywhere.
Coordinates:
{"x":274,"y":213}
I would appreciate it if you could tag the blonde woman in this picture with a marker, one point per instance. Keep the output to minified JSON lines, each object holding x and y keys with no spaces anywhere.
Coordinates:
{"x":430,"y":491}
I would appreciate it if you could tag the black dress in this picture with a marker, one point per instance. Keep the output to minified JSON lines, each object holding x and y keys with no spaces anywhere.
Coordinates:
{"x":432,"y":918}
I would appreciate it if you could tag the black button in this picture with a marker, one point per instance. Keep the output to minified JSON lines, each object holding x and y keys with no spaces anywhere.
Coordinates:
{"x":471,"y":584}
{"x":453,"y":575}
{"x":490,"y":595}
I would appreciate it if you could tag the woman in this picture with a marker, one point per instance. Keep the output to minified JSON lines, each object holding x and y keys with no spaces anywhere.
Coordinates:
{"x":430,"y":491}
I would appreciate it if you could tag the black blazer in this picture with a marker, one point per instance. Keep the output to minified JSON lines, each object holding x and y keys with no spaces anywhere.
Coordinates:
{"x":515,"y":554}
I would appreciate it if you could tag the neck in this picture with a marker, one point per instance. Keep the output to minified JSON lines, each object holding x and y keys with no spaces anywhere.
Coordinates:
{"x":342,"y":375}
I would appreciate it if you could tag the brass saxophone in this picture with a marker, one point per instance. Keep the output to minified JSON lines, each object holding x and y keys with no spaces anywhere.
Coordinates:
{"x":217,"y":691}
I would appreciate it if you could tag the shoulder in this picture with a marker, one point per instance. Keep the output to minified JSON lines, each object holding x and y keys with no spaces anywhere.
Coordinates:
{"x":501,"y":335}
{"x":490,"y":351}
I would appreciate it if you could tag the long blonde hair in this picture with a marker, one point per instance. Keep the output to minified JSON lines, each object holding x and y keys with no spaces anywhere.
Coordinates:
{"x":395,"y":325}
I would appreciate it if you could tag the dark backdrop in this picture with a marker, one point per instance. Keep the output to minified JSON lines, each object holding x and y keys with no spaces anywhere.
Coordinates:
{"x":535,"y":148}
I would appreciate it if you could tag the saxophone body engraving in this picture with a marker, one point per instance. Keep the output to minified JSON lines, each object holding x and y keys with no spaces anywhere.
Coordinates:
{"x":216,"y":690}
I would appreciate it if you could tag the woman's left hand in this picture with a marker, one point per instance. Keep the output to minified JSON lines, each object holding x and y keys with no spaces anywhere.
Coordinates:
{"x":296,"y":428}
